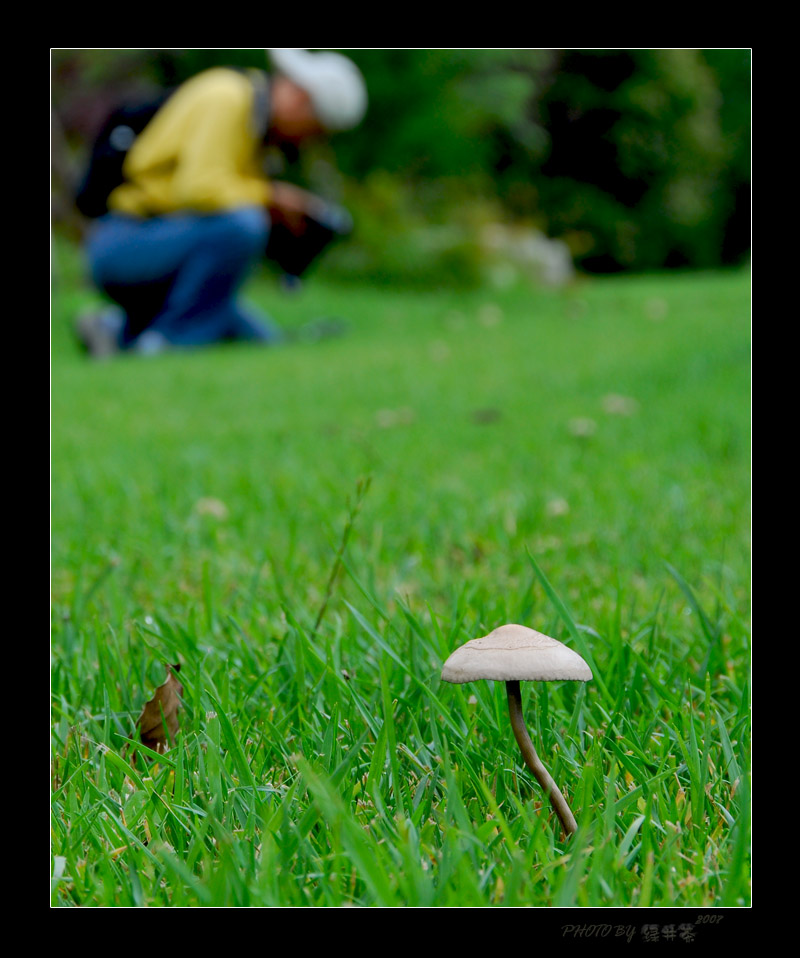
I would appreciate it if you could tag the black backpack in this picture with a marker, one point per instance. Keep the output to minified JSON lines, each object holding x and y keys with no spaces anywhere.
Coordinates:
{"x":113,"y":142}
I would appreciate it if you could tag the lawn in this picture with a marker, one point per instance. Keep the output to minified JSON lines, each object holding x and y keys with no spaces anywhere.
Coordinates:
{"x":310,"y":530}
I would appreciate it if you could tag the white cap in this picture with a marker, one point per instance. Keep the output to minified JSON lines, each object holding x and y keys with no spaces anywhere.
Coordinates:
{"x":334,"y":83}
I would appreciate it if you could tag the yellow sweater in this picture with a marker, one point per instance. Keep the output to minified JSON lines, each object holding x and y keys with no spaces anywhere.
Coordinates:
{"x":198,"y":152}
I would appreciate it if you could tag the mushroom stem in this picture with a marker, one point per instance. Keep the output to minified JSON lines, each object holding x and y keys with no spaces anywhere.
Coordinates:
{"x":533,"y":761}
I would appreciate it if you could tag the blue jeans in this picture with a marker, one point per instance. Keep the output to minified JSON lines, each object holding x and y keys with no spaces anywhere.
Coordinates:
{"x":177,"y":276}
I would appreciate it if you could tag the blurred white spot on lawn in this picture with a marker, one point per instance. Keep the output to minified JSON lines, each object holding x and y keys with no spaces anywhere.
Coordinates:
{"x":389,"y":418}
{"x":616,"y":405}
{"x":211,"y":507}
{"x":490,"y":315}
{"x":656,"y":309}
{"x":557,"y":507}
{"x":439,"y":351}
{"x":582,"y":427}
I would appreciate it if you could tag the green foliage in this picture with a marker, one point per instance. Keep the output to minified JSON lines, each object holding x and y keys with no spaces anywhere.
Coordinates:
{"x":398,"y":242}
{"x":441,"y":113}
{"x":637,"y":160}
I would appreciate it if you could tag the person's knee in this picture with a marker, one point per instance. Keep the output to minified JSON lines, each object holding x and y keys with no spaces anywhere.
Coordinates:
{"x":243,"y":233}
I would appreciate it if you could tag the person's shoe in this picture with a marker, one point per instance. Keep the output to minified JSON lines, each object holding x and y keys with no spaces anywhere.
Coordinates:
{"x":150,"y":343}
{"x":98,"y":332}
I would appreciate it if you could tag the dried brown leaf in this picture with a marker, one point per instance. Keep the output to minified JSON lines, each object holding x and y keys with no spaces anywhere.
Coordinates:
{"x":161,"y":711}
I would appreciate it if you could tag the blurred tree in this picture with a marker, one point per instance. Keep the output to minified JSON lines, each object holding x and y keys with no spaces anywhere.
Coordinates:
{"x":639,"y":159}
{"x":636,"y":174}
{"x":732,"y":69}
{"x":444,"y":112}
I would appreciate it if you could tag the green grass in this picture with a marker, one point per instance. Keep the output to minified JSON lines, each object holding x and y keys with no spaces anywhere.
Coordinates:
{"x":311,"y":530}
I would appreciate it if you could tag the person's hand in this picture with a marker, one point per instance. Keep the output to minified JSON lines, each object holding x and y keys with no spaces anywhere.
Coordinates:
{"x":290,"y":205}
{"x":290,"y":199}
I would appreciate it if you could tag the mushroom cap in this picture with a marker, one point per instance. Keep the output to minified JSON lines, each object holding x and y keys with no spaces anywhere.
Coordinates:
{"x":515,"y":653}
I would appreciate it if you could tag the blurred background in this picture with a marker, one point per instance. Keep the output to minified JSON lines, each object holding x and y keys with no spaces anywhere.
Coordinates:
{"x":478,"y":166}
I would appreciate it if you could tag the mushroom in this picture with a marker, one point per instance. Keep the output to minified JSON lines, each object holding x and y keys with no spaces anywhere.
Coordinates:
{"x":514,"y":654}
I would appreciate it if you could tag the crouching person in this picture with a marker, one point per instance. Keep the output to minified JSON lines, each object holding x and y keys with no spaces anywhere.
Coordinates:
{"x":193,"y":213}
